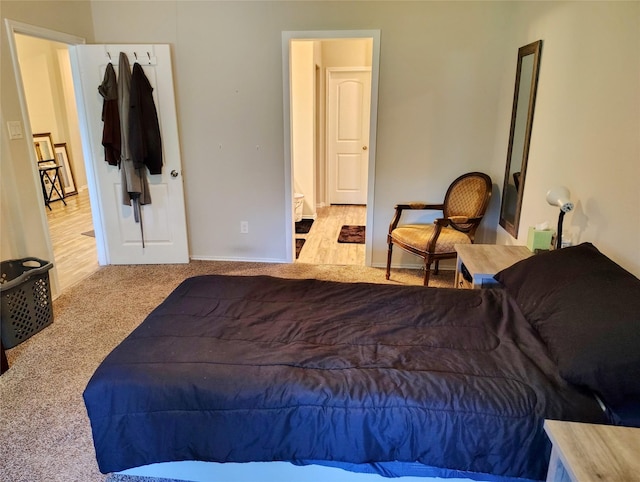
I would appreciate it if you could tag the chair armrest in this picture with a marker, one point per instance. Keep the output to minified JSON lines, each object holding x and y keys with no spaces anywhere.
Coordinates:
{"x":411,"y":206}
{"x":419,"y":205}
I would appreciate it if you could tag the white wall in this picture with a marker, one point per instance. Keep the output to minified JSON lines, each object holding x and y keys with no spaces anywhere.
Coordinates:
{"x":437,"y":111}
{"x":347,"y":52}
{"x":303,"y":122}
{"x":35,"y":67}
{"x":445,"y":91}
{"x":586,"y":131}
{"x":73,"y":138}
{"x":46,"y":77}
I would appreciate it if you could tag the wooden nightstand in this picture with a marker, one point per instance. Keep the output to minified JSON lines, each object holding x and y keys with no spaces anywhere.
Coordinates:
{"x":584,"y":452}
{"x":479,"y":262}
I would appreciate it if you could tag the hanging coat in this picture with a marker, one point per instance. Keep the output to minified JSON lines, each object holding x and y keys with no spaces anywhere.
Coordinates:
{"x":135,"y":186}
{"x":144,"y":131}
{"x":110,"y":117}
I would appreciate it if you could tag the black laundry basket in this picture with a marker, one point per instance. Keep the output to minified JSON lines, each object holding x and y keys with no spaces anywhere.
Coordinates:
{"x":26,"y":299}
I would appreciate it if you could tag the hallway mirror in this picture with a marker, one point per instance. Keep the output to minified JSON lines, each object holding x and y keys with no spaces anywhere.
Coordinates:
{"x":524,"y":100}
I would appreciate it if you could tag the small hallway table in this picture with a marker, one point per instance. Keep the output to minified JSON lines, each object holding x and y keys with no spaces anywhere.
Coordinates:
{"x":50,"y":181}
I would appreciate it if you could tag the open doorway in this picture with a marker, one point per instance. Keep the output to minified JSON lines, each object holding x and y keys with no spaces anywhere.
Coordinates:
{"x":49,"y":100}
{"x":331,"y":95}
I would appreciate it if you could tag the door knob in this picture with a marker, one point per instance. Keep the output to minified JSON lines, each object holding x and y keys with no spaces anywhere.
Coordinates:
{"x":364,"y":148}
{"x":174,"y":173}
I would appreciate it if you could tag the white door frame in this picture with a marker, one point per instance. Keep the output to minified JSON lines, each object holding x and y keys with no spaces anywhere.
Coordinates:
{"x":13,"y":27}
{"x":288,"y":171}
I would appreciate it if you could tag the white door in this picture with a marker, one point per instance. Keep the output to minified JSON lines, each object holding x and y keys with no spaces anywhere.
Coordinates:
{"x":348,"y":111}
{"x":163,"y":221}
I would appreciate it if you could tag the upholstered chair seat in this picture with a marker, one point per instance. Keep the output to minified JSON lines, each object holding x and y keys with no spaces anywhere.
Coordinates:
{"x":417,"y":236}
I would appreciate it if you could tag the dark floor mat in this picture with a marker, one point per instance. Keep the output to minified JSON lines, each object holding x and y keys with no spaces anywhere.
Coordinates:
{"x":352,"y":234}
{"x":303,"y":226}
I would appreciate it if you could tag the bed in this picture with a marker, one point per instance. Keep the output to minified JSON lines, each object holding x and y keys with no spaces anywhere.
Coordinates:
{"x":372,"y":378}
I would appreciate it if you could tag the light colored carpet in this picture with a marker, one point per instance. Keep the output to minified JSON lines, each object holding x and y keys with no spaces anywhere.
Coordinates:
{"x":44,"y":430}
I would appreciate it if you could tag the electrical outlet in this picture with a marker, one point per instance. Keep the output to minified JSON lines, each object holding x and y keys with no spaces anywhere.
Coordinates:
{"x":244,"y":227}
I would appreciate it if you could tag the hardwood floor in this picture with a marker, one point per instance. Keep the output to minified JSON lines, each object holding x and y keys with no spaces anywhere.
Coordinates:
{"x":75,"y":254}
{"x":321,"y":243}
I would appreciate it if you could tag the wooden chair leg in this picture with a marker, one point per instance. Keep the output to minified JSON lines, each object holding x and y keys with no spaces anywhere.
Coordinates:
{"x":437,"y":267}
{"x":389,"y":260}
{"x":427,"y":271}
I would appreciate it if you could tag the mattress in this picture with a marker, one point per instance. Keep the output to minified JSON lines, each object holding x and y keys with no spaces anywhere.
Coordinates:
{"x":239,"y":369}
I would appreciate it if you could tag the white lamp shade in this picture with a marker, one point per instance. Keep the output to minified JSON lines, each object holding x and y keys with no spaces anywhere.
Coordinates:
{"x":559,"y":196}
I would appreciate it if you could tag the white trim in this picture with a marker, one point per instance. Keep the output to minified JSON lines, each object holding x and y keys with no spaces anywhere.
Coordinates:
{"x":287,"y":36}
{"x":14,"y":27}
{"x":237,"y":260}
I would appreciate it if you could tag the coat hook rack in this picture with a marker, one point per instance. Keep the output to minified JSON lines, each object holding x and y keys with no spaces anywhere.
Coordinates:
{"x":151,"y":60}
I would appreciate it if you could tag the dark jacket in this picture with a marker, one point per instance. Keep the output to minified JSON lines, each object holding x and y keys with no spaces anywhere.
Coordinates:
{"x":144,"y":130}
{"x":111,"y":129}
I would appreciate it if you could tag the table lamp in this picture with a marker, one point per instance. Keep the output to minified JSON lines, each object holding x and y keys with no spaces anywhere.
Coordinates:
{"x":559,"y":196}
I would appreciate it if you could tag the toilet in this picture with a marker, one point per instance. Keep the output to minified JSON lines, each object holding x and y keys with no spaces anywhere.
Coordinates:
{"x":298,"y":201}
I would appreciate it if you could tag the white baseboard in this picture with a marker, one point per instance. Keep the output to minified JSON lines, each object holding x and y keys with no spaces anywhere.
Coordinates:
{"x":237,"y":260}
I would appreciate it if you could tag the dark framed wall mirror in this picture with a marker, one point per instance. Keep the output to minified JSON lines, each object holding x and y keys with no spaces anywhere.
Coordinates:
{"x":524,"y":101}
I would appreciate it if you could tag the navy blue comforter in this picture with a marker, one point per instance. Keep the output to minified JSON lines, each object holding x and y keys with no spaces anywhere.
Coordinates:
{"x":235,"y":369}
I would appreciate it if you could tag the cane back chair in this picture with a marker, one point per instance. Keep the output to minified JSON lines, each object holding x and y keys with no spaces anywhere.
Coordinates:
{"x":464,"y":206}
